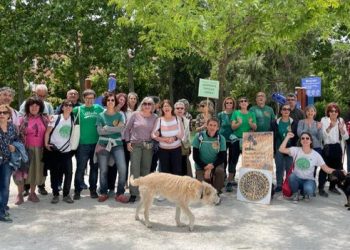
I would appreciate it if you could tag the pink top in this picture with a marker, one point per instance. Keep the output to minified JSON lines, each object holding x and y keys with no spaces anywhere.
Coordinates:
{"x":35,"y":132}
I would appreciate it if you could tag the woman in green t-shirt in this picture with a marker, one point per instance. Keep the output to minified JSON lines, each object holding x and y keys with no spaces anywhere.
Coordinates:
{"x":242,"y":121}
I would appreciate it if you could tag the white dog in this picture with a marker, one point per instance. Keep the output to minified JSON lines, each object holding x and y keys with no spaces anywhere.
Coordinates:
{"x":182,"y":190}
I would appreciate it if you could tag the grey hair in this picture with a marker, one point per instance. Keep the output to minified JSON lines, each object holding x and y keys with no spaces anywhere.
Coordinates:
{"x":179,"y":103}
{"x":146,"y":99}
{"x":8,"y":89}
{"x":41,"y":87}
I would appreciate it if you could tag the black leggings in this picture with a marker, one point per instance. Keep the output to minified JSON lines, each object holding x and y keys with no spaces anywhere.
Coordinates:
{"x":333,"y":156}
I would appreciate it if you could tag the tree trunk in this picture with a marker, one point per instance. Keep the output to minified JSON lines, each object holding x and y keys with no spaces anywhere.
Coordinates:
{"x":171,"y":79}
{"x":223,"y":92}
{"x":131,"y":84}
{"x":20,"y":82}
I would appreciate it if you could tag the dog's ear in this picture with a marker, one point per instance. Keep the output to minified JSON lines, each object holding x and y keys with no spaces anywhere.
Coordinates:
{"x":207,"y":190}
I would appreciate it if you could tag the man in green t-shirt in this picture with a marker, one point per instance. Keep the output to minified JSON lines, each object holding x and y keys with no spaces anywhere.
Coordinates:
{"x":86,"y":117}
{"x":209,"y":154}
{"x":264,"y":114}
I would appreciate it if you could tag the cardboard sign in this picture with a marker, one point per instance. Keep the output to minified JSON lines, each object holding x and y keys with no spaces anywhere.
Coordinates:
{"x":257,"y":150}
{"x":208,"y":88}
{"x":255,"y":176}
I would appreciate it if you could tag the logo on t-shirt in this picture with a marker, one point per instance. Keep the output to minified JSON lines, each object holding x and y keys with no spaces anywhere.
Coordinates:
{"x":215,"y":145}
{"x":64,"y":131}
{"x":302,"y":163}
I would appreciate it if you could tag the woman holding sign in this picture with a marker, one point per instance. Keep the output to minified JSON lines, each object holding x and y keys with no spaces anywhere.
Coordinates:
{"x":242,"y":121}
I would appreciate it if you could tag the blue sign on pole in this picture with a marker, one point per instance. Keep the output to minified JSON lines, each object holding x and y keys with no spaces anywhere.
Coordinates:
{"x":312,"y":85}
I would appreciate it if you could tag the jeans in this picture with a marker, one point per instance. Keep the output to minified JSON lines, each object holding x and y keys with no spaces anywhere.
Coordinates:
{"x":5,"y":177}
{"x":118,"y":155}
{"x":283,"y":163}
{"x":85,"y":152}
{"x":141,"y":160}
{"x":61,"y":165}
{"x":306,"y":186}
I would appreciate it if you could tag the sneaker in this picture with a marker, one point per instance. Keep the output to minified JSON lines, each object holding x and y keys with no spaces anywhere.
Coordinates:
{"x":121,"y":198}
{"x":295,"y":198}
{"x":102,"y":198}
{"x":59,"y":187}
{"x":323,"y":193}
{"x":76,"y":196}
{"x":278,"y":189}
{"x":55,"y":199}
{"x":6,"y":219}
{"x":229,"y":187}
{"x":7,"y":214}
{"x":234,"y":183}
{"x":307,"y":198}
{"x":25,"y":193}
{"x":68,"y":199}
{"x":93,"y":194}
{"x":42,"y":191}
{"x":19,"y":199}
{"x":334,"y":191}
{"x":33,"y":197}
{"x":132,"y":199}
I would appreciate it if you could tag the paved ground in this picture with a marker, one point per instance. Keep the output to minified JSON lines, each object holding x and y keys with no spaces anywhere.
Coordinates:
{"x":322,"y":223}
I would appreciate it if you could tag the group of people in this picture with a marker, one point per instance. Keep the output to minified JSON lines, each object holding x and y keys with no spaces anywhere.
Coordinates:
{"x":124,"y":131}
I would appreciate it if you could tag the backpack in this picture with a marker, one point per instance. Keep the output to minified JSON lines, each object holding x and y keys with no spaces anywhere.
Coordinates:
{"x":201,"y":138}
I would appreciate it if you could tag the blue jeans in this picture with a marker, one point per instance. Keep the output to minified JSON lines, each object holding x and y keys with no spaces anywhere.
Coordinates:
{"x":5,"y":177}
{"x":85,"y":152}
{"x":118,"y":155}
{"x":306,"y":186}
{"x":283,"y":163}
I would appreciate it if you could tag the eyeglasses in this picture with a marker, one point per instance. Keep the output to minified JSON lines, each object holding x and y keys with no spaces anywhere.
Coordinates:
{"x":3,"y":112}
{"x":305,"y":138}
{"x":333,"y":111}
{"x":147,"y":104}
{"x":68,"y":105}
{"x":229,"y":103}
{"x":285,"y":109}
{"x":180,"y":108}
{"x":243,"y":101}
{"x":110,"y":100}
{"x":290,"y":99}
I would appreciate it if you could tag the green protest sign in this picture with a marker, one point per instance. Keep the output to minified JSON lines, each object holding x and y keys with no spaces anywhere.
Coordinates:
{"x":208,"y":88}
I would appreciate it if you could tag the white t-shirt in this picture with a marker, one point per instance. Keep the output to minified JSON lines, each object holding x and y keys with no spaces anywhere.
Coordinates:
{"x":305,"y":164}
{"x":61,"y":135}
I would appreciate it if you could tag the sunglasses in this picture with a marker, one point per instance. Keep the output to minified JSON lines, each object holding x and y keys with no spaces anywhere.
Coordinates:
{"x":285,"y":109}
{"x":180,"y":108}
{"x":243,"y":101}
{"x":147,"y":104}
{"x":305,"y":138}
{"x":68,"y":105}
{"x":333,"y":111}
{"x":3,"y":112}
{"x":110,"y":100}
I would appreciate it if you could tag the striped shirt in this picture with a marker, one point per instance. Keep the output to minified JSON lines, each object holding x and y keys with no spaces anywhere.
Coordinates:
{"x":173,"y":128}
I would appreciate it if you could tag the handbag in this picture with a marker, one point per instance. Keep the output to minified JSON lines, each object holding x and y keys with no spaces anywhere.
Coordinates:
{"x":75,"y":137}
{"x":286,"y":190}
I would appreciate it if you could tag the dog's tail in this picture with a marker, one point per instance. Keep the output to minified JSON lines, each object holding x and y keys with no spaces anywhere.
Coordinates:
{"x":134,"y":182}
